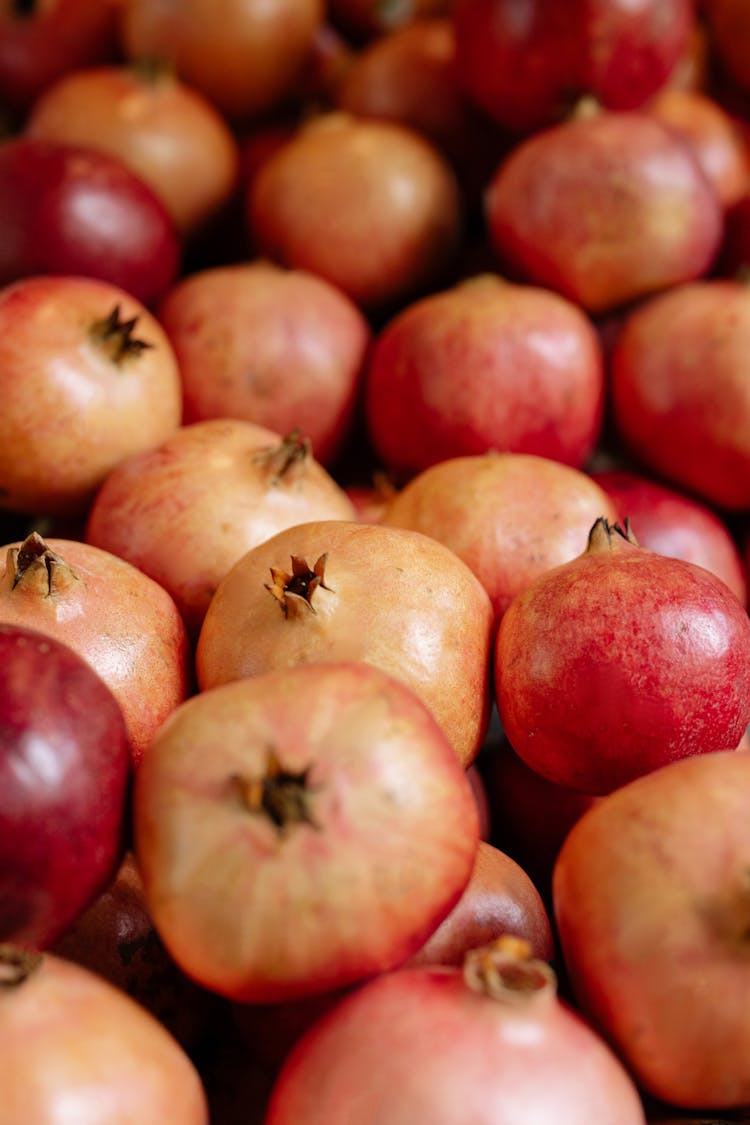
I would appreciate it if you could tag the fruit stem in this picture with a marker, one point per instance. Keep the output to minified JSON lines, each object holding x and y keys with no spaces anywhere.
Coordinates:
{"x":505,"y":970}
{"x":281,"y":795}
{"x":294,"y":449}
{"x":606,"y":536}
{"x":115,"y":337}
{"x":17,"y":964}
{"x":36,"y":568}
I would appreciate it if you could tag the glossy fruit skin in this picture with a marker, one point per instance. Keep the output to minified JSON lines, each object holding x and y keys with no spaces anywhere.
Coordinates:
{"x":186,"y":511}
{"x":64,"y":772}
{"x":485,"y":364}
{"x":604,"y":209}
{"x":509,"y":516}
{"x":621,"y":661}
{"x":230,"y":330}
{"x":66,"y":209}
{"x":393,"y":598}
{"x":651,"y":903}
{"x":670,"y":522}
{"x":420,"y":1045}
{"x":75,"y":400}
{"x":77,"y":1047}
{"x":370,"y":206}
{"x":678,"y":383}
{"x":526,"y":63}
{"x":123,"y":623}
{"x":302,"y":904}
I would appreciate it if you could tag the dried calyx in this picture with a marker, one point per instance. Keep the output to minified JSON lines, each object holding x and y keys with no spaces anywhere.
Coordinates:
{"x":298,"y":587}
{"x":116,"y":337}
{"x":506,"y":970}
{"x":282,"y":796}
{"x":293,"y":450}
{"x":37,"y":568}
{"x":605,"y":535}
{"x":17,"y":964}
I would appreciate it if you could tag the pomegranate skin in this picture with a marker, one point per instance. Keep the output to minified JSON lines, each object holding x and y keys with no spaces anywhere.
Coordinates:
{"x":619,"y":662}
{"x":679,"y":384}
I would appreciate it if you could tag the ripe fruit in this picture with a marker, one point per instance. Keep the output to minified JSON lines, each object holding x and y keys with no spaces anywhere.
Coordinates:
{"x":278,"y":347}
{"x":76,"y":1047}
{"x":672,"y":523}
{"x":509,"y":516}
{"x":301,"y":830}
{"x":125,"y":625}
{"x":605,"y":209}
{"x":485,"y":364}
{"x":621,"y":661}
{"x":245,"y":58}
{"x":489,"y":1043}
{"x":370,"y":206}
{"x":499,"y":898}
{"x":186,"y":511}
{"x":87,"y":378}
{"x":679,"y":383}
{"x":64,"y":769}
{"x":164,"y":130}
{"x":652,"y":900}
{"x":41,"y":41}
{"x":64,"y":209}
{"x":340,"y":590}
{"x":526,"y":61}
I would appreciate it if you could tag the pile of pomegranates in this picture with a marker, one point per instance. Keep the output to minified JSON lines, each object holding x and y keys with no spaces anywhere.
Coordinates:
{"x":374,"y":562}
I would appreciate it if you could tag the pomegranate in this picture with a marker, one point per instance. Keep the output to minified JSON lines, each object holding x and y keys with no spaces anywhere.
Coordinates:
{"x":670,"y":522}
{"x":187,"y":510}
{"x":371,"y":206}
{"x":77,"y":1048}
{"x":245,"y":58}
{"x":65,"y":771}
{"x":509,"y":516}
{"x":88,"y":377}
{"x":485,"y":364}
{"x":679,"y":384}
{"x":115,"y":937}
{"x":301,"y":830}
{"x":605,"y":208}
{"x":499,"y":898}
{"x":66,"y":209}
{"x":652,"y":900}
{"x":242,"y":353}
{"x":488,"y":1043}
{"x":526,"y":61}
{"x":341,"y":590}
{"x":123,"y":623}
{"x":719,"y":145}
{"x":163,"y":129}
{"x":621,"y":661}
